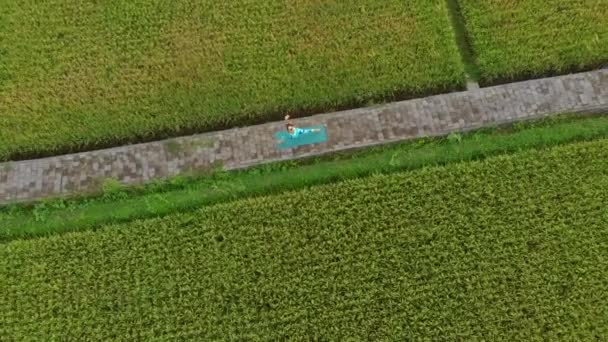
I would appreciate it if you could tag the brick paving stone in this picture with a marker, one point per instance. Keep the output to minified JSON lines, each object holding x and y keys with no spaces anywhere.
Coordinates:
{"x":243,"y":147}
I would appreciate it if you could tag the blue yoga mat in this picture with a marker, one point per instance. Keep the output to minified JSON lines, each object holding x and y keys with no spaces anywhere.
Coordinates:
{"x":304,"y":139}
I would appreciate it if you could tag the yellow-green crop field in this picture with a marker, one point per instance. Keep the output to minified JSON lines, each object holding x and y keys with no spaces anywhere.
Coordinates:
{"x":519,"y":39}
{"x":77,"y":75}
{"x":511,"y":248}
{"x":81,"y":74}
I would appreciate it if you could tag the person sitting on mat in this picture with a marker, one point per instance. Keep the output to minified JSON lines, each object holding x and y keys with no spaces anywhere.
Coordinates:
{"x":295,"y":132}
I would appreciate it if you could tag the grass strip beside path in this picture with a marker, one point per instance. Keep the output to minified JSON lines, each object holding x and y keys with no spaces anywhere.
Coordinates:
{"x":121,"y":205}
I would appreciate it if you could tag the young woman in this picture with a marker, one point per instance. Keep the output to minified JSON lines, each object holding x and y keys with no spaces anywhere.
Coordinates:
{"x":295,"y":132}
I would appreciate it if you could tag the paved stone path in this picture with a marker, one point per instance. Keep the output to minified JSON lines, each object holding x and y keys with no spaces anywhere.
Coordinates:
{"x":243,"y":147}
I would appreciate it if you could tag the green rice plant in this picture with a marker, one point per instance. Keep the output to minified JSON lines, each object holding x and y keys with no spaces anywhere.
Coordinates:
{"x":510,"y":248}
{"x":85,"y":74}
{"x":113,"y":190}
{"x":519,"y":39}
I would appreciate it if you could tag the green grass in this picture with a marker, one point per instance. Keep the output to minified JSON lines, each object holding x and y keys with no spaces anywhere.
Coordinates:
{"x":180,"y":194}
{"x":520,"y":39}
{"x":463,"y":41}
{"x":511,"y":248}
{"x":81,"y":74}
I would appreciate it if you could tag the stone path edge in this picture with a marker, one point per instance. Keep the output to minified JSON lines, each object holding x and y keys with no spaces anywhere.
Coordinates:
{"x":236,"y":148}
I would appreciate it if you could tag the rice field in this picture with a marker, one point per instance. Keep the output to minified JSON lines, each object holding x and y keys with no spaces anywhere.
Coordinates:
{"x":522,"y":39}
{"x":510,"y":248}
{"x":76,"y":75}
